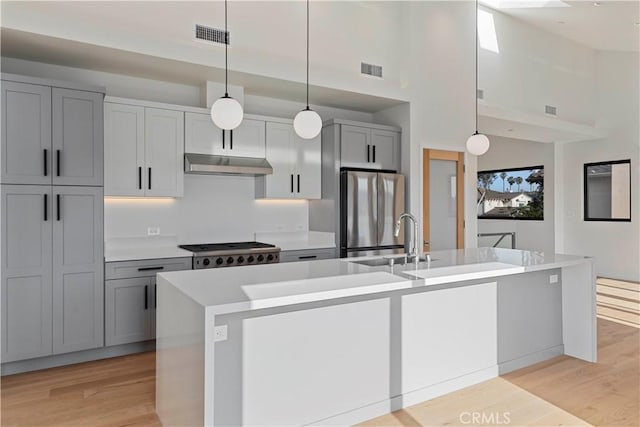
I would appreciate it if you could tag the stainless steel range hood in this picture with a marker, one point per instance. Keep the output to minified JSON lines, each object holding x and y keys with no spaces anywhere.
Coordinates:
{"x":208,"y":164}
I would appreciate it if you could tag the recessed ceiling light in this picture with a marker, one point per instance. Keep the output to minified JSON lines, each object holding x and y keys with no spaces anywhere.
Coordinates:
{"x":509,"y":130}
{"x":561,"y":22}
{"x":596,"y":4}
{"x":637,"y":24}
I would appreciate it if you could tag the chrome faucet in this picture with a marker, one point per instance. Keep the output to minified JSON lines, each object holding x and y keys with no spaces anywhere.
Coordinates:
{"x":414,"y":243}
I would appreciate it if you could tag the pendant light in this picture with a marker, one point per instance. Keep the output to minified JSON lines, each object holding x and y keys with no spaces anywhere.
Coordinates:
{"x":226,"y":112}
{"x":477,"y":144}
{"x":307,"y":122}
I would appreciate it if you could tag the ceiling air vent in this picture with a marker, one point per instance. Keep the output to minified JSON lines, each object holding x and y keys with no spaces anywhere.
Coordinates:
{"x":550,"y":110}
{"x":211,"y":34}
{"x":371,"y":70}
{"x":480,"y":94}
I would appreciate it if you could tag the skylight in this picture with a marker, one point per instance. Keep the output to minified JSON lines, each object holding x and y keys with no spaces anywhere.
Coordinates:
{"x":522,"y":4}
{"x":487,"y":31}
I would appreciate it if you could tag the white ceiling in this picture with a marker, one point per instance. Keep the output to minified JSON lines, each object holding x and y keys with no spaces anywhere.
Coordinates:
{"x":609,"y":26}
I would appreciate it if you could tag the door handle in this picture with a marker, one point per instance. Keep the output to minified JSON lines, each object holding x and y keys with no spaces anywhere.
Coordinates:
{"x":57,"y":162}
{"x":292,"y":183}
{"x":46,"y":172}
{"x":308,"y":257}
{"x":298,"y":183}
{"x":368,"y":153}
{"x":146,"y":297}
{"x":149,"y":178}
{"x":223,"y":136}
{"x":46,"y":202}
{"x":139,"y":177}
{"x":57,"y":207}
{"x":150,"y":268}
{"x":231,"y":139}
{"x":374,"y":153}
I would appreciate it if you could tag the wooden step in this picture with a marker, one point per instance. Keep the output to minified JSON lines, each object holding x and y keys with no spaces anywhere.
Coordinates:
{"x":633,"y":306}
{"x":616,"y":313}
{"x":618,"y":300}
{"x":622,"y":284}
{"x":618,"y":292}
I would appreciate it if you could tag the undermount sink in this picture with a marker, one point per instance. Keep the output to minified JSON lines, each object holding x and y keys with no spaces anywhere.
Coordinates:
{"x":391,"y":260}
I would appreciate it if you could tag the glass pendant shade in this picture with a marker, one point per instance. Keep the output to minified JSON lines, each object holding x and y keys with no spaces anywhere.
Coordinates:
{"x":478,"y":144}
{"x":307,"y":124}
{"x":226,"y":113}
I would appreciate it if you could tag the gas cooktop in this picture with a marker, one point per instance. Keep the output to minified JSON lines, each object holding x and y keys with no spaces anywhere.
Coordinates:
{"x":214,"y":255}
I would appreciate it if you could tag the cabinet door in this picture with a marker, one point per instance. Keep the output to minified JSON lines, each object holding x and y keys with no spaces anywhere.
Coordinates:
{"x":78,"y":272}
{"x":153,"y":304}
{"x":127,"y":310}
{"x":281,"y":155}
{"x":355,"y":146}
{"x":123,"y":150}
{"x":26,"y":134}
{"x":385,"y":149}
{"x":26,"y":272}
{"x":201,"y":135}
{"x":308,"y":168}
{"x":77,"y":137}
{"x":164,"y":152}
{"x":247,"y":140}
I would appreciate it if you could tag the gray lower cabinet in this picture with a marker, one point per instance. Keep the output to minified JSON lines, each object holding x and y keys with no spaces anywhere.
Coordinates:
{"x":128,"y":312}
{"x":78,"y":272}
{"x":130,"y":298}
{"x":529,"y":315}
{"x":307,"y":255}
{"x":52,"y":271}
{"x":26,"y":272}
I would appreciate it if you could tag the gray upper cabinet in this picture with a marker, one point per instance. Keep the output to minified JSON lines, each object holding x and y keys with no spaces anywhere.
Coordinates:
{"x":51,"y":135}
{"x":247,"y":140}
{"x":77,"y":137}
{"x":128,"y":310}
{"x":369,"y":147}
{"x":26,"y":272}
{"x":26,"y":133}
{"x":164,"y":152}
{"x":78,"y":272}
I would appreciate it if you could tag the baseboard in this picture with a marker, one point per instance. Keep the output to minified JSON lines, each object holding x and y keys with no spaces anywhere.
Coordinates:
{"x":530,"y":359}
{"x":21,"y":366}
{"x":407,"y":399}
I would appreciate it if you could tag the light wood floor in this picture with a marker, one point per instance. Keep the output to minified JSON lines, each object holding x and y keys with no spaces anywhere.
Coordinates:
{"x":562,"y":391}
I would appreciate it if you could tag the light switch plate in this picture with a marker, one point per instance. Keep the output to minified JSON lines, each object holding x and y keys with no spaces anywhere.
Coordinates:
{"x":153,"y":231}
{"x":220,"y":333}
{"x":553,"y":278}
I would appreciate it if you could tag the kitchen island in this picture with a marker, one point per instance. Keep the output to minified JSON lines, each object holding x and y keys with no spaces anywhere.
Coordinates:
{"x":335,"y":342}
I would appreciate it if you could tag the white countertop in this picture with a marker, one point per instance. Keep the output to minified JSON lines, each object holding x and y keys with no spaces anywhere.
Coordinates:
{"x":254,"y":287}
{"x":298,"y":240}
{"x":140,"y":248}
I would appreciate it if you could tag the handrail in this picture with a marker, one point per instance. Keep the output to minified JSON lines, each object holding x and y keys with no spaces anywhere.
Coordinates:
{"x":512,"y":234}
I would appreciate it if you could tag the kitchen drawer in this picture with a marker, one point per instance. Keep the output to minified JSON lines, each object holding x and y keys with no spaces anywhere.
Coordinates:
{"x":145,"y":268}
{"x":307,"y":255}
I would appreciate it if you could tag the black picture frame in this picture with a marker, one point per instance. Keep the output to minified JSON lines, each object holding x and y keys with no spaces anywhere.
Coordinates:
{"x":585,"y":186}
{"x":514,"y":169}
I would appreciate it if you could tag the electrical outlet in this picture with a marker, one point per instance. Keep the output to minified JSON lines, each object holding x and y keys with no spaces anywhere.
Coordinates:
{"x":553,"y":278}
{"x":153,"y":231}
{"x":219,"y":333}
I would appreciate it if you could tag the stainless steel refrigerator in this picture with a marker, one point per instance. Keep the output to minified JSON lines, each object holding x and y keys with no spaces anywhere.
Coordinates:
{"x":370,"y":204}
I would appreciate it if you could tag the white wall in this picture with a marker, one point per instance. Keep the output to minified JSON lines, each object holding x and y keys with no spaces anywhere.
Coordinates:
{"x":615,"y":245}
{"x":535,"y":68}
{"x":515,"y":153}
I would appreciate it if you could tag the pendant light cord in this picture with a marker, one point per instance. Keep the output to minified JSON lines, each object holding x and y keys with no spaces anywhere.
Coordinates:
{"x":226,"y":47}
{"x":307,"y":54}
{"x":475,"y":95}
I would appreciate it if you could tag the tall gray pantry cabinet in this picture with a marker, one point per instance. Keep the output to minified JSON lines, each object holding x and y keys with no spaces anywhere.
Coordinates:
{"x":52,"y":280}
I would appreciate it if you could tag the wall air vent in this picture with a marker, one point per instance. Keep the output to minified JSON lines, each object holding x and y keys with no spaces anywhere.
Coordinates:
{"x":371,"y":70}
{"x":480,"y":94}
{"x":550,"y":110}
{"x":211,"y":34}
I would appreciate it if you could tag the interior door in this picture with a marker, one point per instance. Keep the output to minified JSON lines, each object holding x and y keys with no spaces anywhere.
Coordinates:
{"x":443,"y":200}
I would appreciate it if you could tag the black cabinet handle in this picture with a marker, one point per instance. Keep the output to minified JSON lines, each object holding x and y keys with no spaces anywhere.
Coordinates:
{"x":292,"y":183}
{"x":155,"y":296}
{"x":46,"y":172}
{"x":149,"y":178}
{"x":46,"y":202}
{"x":57,"y":162}
{"x":298,"y":183}
{"x":374,"y":153}
{"x":146,"y":297}
{"x":308,"y":257}
{"x":57,"y":207}
{"x":231,"y":139}
{"x":368,"y":153}
{"x":150,"y":268}
{"x":223,"y":133}
{"x":139,"y":177}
